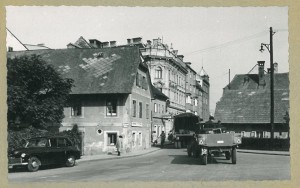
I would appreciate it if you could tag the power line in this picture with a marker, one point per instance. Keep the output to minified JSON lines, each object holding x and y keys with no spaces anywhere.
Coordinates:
{"x":17,"y":38}
{"x":229,"y":43}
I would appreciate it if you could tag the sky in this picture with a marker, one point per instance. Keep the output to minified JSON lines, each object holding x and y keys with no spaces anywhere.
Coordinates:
{"x":215,"y":38}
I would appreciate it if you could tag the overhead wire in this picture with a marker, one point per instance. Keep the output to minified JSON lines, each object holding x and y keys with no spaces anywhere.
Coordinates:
{"x":229,"y":43}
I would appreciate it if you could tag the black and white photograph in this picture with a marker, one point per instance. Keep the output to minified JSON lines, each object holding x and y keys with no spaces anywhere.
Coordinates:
{"x":150,"y":94}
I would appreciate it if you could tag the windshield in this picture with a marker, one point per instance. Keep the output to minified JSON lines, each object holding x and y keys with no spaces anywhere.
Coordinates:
{"x":41,"y":142}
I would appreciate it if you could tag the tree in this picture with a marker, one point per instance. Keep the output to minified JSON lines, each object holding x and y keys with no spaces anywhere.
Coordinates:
{"x":36,"y":93}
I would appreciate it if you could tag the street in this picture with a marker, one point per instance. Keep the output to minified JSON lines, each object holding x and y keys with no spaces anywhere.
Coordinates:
{"x":164,"y":165}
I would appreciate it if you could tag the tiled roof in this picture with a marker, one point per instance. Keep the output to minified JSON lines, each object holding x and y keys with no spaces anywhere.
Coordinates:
{"x":94,"y":71}
{"x":158,"y":94}
{"x":244,"y":102}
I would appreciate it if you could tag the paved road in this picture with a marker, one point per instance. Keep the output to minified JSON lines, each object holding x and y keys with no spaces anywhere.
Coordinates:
{"x":165,"y":165}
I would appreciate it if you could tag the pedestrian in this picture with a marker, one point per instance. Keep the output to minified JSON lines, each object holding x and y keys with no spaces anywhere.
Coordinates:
{"x":119,"y":144}
{"x":162,"y":138}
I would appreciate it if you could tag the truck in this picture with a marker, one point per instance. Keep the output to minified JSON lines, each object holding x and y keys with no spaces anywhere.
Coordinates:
{"x":205,"y":139}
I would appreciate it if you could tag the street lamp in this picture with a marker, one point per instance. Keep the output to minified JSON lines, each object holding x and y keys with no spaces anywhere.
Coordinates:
{"x":270,"y":49}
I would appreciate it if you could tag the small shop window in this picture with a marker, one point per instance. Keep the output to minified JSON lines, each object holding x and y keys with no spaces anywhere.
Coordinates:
{"x":76,"y":110}
{"x":111,"y":139}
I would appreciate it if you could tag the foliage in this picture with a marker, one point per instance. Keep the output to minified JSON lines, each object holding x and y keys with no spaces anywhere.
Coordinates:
{"x":36,"y":92}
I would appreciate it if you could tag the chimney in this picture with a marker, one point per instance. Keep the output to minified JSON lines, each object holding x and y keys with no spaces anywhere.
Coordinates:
{"x":95,"y":43}
{"x":180,"y":57}
{"x":275,"y":67}
{"x":129,"y":41}
{"x":188,"y":63}
{"x":155,"y":42}
{"x":261,"y":71}
{"x":105,"y":44}
{"x":113,"y":43}
{"x":137,"y":40}
{"x":10,"y":49}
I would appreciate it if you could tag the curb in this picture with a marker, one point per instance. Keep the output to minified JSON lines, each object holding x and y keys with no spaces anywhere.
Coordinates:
{"x":119,"y":157}
{"x":263,"y":153}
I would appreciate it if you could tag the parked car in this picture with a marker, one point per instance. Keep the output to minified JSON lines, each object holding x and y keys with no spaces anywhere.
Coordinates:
{"x":44,"y":151}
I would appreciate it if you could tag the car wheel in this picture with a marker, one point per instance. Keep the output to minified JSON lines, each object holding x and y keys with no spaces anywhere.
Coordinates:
{"x":33,"y":164}
{"x":227,"y":155}
{"x":233,"y":155}
{"x":70,"y":161}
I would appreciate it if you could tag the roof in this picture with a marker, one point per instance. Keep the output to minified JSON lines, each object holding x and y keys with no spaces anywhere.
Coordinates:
{"x":158,"y":94}
{"x":245,"y":102}
{"x":94,"y":71}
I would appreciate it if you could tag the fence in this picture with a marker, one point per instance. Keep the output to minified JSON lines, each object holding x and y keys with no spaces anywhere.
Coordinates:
{"x":265,"y":144}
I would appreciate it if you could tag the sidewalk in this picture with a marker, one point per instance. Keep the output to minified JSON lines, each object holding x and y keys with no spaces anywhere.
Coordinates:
{"x":115,"y":156}
{"x":153,"y":149}
{"x":265,"y":152}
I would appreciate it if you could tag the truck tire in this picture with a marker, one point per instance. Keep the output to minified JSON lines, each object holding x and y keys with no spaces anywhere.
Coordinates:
{"x":204,"y":159}
{"x":227,"y":155}
{"x":233,"y":155}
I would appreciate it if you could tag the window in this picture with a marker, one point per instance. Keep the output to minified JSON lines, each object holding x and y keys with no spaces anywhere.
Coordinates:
{"x":111,"y":106}
{"x":155,"y":107}
{"x":162,"y":109}
{"x":133,"y":139}
{"x":111,"y":139}
{"x":147,"y":111}
{"x":140,"y":139}
{"x":141,"y":110}
{"x":76,"y":110}
{"x":61,"y":142}
{"x":144,"y":83}
{"x":134,"y":108}
{"x":196,"y":102}
{"x":158,"y":72}
{"x":137,"y":79}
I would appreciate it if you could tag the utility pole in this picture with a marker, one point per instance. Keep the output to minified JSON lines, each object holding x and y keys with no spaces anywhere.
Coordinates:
{"x":270,"y":49}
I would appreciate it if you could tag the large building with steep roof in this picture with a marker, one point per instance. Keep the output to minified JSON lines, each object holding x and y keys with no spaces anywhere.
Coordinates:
{"x":111,"y":95}
{"x":245,"y":104}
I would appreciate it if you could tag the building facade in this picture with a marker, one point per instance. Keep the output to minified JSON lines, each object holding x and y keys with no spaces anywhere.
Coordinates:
{"x":245,"y":104}
{"x":111,"y":96}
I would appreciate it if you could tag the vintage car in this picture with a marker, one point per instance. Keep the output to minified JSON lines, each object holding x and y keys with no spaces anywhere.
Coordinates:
{"x":44,"y":151}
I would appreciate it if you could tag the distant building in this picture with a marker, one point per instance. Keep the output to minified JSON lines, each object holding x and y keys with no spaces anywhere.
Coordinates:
{"x":245,"y":104}
{"x":111,"y":96}
{"x":159,"y":114}
{"x":14,"y":44}
{"x":204,"y":83}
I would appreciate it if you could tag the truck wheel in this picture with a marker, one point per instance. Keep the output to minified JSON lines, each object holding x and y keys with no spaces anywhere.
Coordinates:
{"x":227,"y":155}
{"x":233,"y":155}
{"x":204,"y":159}
{"x":33,"y":164}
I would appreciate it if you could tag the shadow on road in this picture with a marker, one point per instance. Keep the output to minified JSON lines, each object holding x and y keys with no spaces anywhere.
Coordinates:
{"x":184,"y":159}
{"x":19,"y":169}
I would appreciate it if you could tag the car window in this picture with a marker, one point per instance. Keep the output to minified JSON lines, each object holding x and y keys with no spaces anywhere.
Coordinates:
{"x":61,"y":142}
{"x":68,"y":142}
{"x":53,"y":142}
{"x":41,"y":142}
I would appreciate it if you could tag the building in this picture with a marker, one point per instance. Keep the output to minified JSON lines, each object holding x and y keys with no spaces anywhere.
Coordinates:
{"x":245,"y":104}
{"x":111,"y":96}
{"x":186,"y":90}
{"x":203,"y":81}
{"x":160,"y":117}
